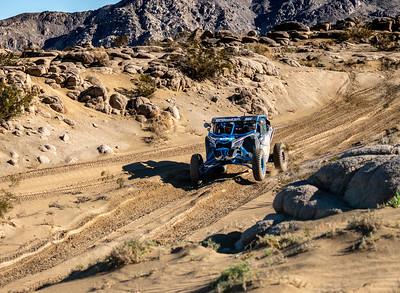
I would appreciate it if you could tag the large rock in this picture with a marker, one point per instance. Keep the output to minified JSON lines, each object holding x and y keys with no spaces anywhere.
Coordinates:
{"x":148,"y":110}
{"x":118,"y":101}
{"x":335,"y":177}
{"x":307,"y":202}
{"x":292,"y":26}
{"x":374,"y":184}
{"x":93,"y":92}
{"x":38,"y":70}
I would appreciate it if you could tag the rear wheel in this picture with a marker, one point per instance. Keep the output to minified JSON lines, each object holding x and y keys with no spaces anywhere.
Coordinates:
{"x":196,"y":163}
{"x":280,"y":157}
{"x":259,"y":165}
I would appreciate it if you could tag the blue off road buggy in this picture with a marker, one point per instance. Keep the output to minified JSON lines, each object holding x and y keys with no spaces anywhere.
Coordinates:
{"x":242,"y":141}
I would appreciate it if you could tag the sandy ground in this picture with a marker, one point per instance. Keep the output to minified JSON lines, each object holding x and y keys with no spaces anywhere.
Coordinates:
{"x":67,"y":217}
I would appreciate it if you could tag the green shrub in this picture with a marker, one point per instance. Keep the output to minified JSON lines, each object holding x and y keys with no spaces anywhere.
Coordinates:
{"x":13,"y":101}
{"x":239,"y":275}
{"x":145,"y":86}
{"x":201,"y":63}
{"x":395,"y":201}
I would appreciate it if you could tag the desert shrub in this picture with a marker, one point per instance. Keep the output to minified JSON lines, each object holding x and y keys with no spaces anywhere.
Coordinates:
{"x":385,"y":42}
{"x":15,"y":180}
{"x":5,"y":202}
{"x":13,"y":101}
{"x":209,"y":243}
{"x":395,"y":201}
{"x":159,"y":126}
{"x":8,"y":59}
{"x":366,"y":225}
{"x":357,"y":35}
{"x":131,"y":252}
{"x":279,"y":242}
{"x":121,"y":41}
{"x":201,"y":63}
{"x":239,"y":275}
{"x":260,"y":49}
{"x":121,"y":182}
{"x":145,"y":86}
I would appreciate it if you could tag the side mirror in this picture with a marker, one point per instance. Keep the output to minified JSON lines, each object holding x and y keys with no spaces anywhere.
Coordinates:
{"x":207,"y":125}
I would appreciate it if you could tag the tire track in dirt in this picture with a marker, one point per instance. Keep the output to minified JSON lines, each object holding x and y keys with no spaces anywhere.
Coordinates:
{"x":76,"y":242}
{"x":113,"y":160}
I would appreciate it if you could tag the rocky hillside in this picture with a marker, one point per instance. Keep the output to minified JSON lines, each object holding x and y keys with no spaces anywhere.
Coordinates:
{"x":147,"y":20}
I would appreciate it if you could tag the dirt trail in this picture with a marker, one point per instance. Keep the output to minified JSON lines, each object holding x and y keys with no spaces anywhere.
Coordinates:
{"x":335,"y":127}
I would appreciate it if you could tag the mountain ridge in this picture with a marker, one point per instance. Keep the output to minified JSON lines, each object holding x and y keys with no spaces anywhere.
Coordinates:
{"x":156,"y":19}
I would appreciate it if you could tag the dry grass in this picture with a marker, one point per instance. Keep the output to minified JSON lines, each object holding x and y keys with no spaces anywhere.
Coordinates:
{"x":9,"y":59}
{"x":131,"y":252}
{"x":5,"y":202}
{"x":366,"y":225}
{"x":260,"y":49}
{"x":145,"y":86}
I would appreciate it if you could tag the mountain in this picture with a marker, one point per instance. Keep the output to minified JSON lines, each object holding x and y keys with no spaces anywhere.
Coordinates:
{"x":143,"y":20}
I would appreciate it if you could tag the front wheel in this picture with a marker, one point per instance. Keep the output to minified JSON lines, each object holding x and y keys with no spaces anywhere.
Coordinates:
{"x":280,"y":157}
{"x":196,"y":163}
{"x":259,"y":165}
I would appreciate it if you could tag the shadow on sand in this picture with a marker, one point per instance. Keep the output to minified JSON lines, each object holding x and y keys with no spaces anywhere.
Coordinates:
{"x":177,"y":174}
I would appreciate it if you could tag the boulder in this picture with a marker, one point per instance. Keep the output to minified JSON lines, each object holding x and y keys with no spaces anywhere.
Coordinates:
{"x":93,"y":92}
{"x":175,"y":112}
{"x":374,"y":184}
{"x":47,"y":148}
{"x":148,"y":110}
{"x":43,"y":160}
{"x":118,"y":102}
{"x":335,"y":177}
{"x":249,"y":40}
{"x":268,"y":41}
{"x":292,"y":26}
{"x":278,"y":35}
{"x":38,"y":70}
{"x":306,"y":202}
{"x":104,"y":149}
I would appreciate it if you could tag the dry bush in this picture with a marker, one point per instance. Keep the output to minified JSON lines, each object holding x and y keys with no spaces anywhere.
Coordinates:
{"x":260,"y":49}
{"x":159,"y":126}
{"x":385,"y":42}
{"x":5,"y":202}
{"x":145,"y":86}
{"x":121,"y":41}
{"x":15,"y":180}
{"x":395,"y":201}
{"x":366,"y":225}
{"x":357,"y":35}
{"x":131,"y":252}
{"x":8,"y":59}
{"x":13,"y":101}
{"x":234,"y":278}
{"x":201,"y":63}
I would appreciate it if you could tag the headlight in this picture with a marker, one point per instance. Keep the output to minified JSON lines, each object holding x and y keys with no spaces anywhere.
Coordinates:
{"x":237,"y":144}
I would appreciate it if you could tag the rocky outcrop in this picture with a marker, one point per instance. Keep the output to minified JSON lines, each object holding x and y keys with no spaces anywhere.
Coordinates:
{"x":362,"y":178}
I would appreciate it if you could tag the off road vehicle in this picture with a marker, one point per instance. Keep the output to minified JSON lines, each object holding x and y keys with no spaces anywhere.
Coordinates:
{"x":245,"y":141}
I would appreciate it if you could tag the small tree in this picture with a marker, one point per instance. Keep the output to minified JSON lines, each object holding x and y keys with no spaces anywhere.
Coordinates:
{"x":13,"y":101}
{"x":201,"y":63}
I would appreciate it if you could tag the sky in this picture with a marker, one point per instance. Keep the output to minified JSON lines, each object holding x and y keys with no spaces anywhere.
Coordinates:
{"x":10,"y":8}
